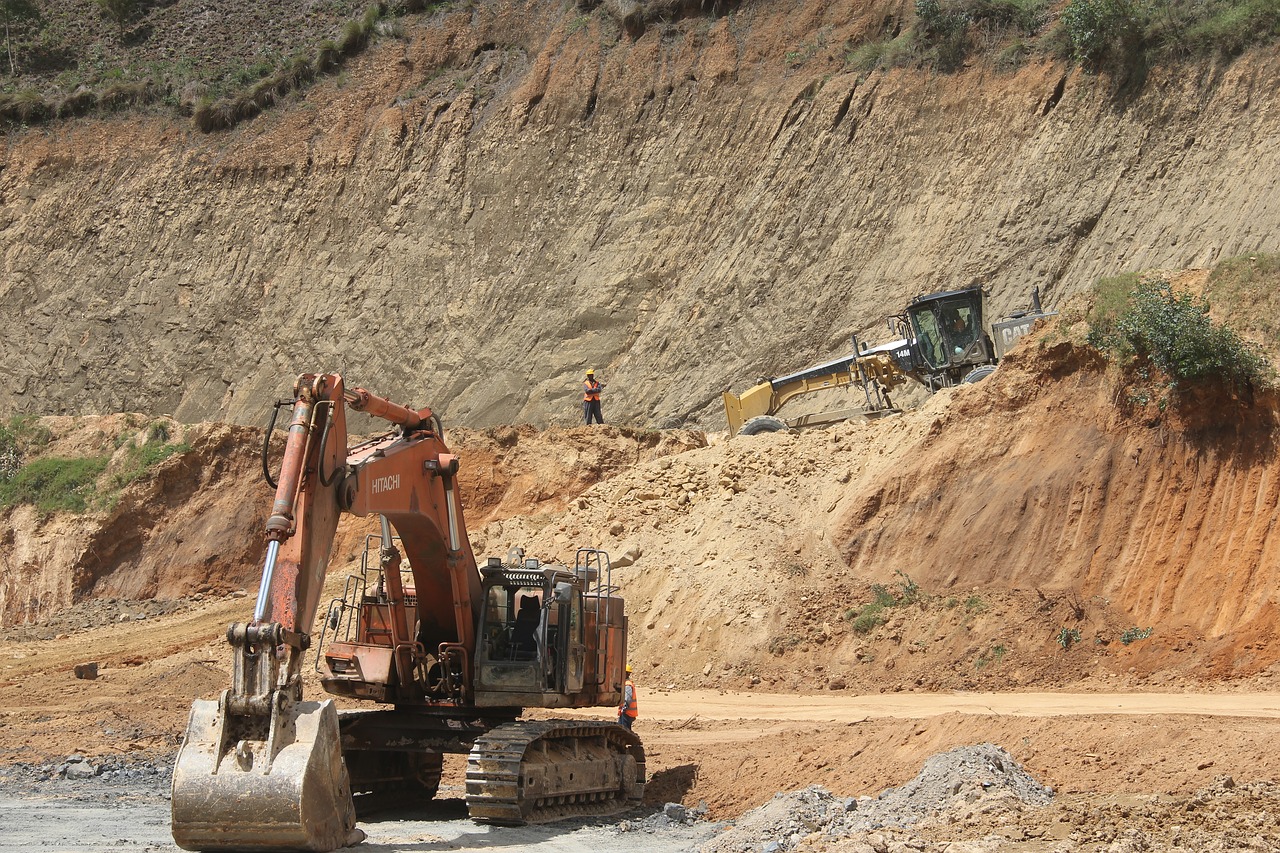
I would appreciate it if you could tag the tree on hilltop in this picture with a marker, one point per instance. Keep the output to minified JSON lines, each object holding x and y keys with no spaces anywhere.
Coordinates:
{"x":15,"y":14}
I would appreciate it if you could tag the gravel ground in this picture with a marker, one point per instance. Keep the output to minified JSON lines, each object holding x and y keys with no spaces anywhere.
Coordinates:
{"x":81,"y":806}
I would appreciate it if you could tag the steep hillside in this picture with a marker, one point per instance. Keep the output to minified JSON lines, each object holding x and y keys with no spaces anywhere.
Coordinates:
{"x":471,"y":215}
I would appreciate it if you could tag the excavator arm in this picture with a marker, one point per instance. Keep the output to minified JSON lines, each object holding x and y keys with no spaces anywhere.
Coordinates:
{"x":261,"y":769}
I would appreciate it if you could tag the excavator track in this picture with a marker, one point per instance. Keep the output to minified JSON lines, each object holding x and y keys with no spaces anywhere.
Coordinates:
{"x":540,"y":771}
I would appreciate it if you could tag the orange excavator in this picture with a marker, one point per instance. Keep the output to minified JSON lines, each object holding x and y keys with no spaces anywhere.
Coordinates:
{"x":452,"y":653}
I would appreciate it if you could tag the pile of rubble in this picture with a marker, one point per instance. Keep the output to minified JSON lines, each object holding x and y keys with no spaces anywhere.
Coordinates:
{"x":963,"y":781}
{"x":123,"y":774}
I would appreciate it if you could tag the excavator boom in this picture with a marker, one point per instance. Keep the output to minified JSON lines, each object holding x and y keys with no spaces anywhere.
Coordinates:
{"x":260,"y":769}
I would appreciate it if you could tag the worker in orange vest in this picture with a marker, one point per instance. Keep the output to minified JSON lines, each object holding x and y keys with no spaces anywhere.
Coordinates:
{"x":629,"y":709}
{"x":591,"y":399}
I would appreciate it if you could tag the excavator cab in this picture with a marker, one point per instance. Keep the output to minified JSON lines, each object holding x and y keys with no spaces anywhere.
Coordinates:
{"x":550,"y":636}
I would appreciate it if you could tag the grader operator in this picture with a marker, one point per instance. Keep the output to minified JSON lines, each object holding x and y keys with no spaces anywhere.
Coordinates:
{"x":438,"y":642}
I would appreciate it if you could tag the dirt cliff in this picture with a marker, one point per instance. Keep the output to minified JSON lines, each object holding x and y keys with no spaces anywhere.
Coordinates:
{"x":471,"y":215}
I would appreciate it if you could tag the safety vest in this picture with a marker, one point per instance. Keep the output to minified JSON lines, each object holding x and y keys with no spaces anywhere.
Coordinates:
{"x":629,"y":705}
{"x":590,"y":391}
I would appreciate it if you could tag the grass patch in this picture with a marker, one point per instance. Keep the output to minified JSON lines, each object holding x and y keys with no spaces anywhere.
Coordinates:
{"x":140,"y":459}
{"x":78,"y":66}
{"x":1123,"y":36}
{"x":868,"y":617}
{"x":75,"y":484}
{"x":53,"y":484}
{"x":1246,"y":294}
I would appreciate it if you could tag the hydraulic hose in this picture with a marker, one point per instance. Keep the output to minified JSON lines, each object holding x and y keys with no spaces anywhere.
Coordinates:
{"x":266,"y":441}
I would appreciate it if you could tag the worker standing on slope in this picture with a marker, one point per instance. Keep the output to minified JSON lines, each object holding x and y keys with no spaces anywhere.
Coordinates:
{"x":591,"y":399}
{"x":629,"y":709}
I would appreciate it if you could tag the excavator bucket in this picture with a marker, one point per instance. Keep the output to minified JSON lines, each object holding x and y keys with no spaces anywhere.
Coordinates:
{"x":287,"y":790}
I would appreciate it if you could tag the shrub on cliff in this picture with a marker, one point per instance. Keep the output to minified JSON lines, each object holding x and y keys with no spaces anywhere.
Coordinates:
{"x":53,"y":483}
{"x":1147,"y":321}
{"x":1104,"y":31}
{"x":1129,"y":33}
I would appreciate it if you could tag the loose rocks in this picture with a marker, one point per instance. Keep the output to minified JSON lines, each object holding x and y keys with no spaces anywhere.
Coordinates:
{"x":958,"y":780}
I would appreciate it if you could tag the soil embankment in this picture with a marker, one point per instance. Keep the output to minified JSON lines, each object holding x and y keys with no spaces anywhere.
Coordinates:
{"x":748,"y":567}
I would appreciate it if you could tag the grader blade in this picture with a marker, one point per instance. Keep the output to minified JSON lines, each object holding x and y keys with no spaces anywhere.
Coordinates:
{"x":286,"y":790}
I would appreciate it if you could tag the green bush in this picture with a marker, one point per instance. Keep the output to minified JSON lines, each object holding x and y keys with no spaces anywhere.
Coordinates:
{"x":1100,"y":31}
{"x":1132,"y":635}
{"x":943,"y":30}
{"x":1129,"y":32}
{"x":1068,"y":637}
{"x":1173,"y":332}
{"x":54,"y":483}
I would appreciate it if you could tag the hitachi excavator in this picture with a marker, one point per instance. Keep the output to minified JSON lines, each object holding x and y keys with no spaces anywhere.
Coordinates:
{"x":452,"y":653}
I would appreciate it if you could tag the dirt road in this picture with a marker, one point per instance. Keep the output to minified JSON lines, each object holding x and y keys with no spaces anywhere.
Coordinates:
{"x":716,"y":705}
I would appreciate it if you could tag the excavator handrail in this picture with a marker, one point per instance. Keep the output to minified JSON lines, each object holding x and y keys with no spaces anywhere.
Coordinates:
{"x":583,"y":567}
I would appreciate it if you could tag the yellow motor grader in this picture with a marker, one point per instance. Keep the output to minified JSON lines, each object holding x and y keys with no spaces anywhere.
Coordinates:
{"x":942,"y":341}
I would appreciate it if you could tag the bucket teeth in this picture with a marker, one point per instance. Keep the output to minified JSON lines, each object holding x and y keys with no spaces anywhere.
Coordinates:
{"x":289,"y":791}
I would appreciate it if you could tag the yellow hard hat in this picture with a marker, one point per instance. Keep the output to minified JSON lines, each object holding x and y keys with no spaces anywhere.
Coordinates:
{"x":628,"y":667}
{"x":591,"y":372}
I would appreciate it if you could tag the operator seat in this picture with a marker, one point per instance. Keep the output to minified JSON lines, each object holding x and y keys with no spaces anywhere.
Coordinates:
{"x":524,"y":642}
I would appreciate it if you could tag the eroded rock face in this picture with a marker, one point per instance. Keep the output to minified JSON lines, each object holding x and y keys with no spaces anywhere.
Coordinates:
{"x":517,"y":192}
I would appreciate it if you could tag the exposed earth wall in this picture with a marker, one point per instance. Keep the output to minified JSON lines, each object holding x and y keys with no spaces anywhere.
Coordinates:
{"x":470,"y":216}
